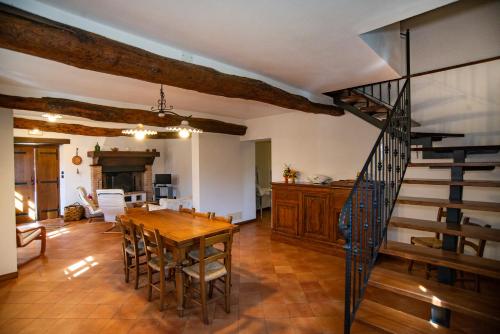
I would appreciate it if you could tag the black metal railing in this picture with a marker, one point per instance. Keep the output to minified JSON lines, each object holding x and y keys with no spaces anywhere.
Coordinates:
{"x":366,"y":213}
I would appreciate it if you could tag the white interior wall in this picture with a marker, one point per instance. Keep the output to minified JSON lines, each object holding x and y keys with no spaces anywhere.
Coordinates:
{"x":177,"y":159}
{"x":8,"y":249}
{"x":223,"y":175}
{"x":315,"y":144}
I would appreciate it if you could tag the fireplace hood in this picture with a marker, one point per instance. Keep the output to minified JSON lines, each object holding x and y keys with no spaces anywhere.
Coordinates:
{"x":122,"y":161}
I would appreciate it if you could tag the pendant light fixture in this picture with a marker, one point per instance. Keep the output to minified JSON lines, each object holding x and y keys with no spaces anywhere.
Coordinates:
{"x":184,"y":129}
{"x":139,"y":132}
{"x":52,"y":117}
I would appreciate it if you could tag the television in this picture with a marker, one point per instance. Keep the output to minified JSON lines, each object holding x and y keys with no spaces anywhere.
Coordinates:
{"x":163,"y":178}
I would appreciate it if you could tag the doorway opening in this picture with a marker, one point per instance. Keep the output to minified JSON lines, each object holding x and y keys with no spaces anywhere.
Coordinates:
{"x":263,"y":176}
{"x":36,"y":182}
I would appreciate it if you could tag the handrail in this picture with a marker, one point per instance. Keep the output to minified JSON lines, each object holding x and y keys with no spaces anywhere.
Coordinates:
{"x":366,"y":213}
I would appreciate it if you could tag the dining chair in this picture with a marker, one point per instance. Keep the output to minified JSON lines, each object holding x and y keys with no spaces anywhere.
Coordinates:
{"x":26,"y":233}
{"x":210,"y":250}
{"x":159,"y":260}
{"x":477,"y":248}
{"x":207,"y":270}
{"x":133,"y":249}
{"x":206,"y":215}
{"x":186,"y":210}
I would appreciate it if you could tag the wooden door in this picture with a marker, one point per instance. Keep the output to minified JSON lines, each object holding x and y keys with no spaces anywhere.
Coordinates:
{"x":316,"y":218}
{"x":286,"y":207}
{"x":25,"y":202}
{"x":47,"y":181}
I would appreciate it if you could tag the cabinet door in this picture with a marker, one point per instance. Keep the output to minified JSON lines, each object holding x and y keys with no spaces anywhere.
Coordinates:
{"x":286,"y":217}
{"x":339,"y":198}
{"x":316,"y":222}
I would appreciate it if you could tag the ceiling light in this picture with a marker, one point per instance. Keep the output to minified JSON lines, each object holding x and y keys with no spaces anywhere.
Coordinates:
{"x":162,"y":108}
{"x":52,"y":117}
{"x":139,"y":132}
{"x":35,"y":132}
{"x":184,"y":129}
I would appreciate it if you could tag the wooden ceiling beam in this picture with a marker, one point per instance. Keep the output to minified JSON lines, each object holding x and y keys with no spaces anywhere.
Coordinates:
{"x":38,"y":36}
{"x":102,"y":113}
{"x":77,"y":129}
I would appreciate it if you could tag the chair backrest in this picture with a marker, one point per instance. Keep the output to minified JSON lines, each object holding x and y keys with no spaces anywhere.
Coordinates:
{"x":153,"y":244}
{"x":84,"y":200}
{"x":186,"y":210}
{"x":225,"y":219}
{"x":129,"y":233}
{"x":226,"y":239}
{"x":477,"y":247}
{"x":442,"y":213}
{"x":111,"y":202}
{"x":206,"y":215}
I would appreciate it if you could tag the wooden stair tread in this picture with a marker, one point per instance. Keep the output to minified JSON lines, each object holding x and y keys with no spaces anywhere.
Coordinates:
{"x":373,"y":109}
{"x":470,"y":231}
{"x":445,"y":203}
{"x":470,"y":183}
{"x":450,"y":149}
{"x":353,"y":99}
{"x":439,"y":257}
{"x":395,"y":321}
{"x":455,"y":164}
{"x":455,"y":299}
{"x":435,"y":134}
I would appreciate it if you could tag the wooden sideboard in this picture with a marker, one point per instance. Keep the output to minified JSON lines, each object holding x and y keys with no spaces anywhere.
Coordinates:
{"x":307,"y":214}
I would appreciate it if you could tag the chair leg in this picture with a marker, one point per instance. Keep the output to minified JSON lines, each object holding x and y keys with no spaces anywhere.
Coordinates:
{"x":136,"y":271}
{"x":127,"y":268}
{"x":211,"y":288}
{"x":410,"y":266}
{"x":203,"y":297}
{"x":227,"y":293}
{"x":43,"y":236}
{"x":150,"y":283}
{"x":162,"y":288}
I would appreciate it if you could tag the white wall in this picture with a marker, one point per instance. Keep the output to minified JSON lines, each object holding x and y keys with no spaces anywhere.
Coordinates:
{"x":8,"y":263}
{"x":315,"y":144}
{"x":223,"y":175}
{"x":177,"y":159}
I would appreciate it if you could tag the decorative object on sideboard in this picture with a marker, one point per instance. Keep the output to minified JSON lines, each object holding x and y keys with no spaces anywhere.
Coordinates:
{"x":289,"y":173}
{"x":319,"y":179}
{"x":114,"y":149}
{"x":97,"y":148}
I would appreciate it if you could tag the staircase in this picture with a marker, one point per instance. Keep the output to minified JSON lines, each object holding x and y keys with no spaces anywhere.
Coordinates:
{"x":367,"y":214}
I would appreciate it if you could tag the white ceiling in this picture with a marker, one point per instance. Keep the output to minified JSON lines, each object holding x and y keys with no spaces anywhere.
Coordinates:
{"x":313,"y":45}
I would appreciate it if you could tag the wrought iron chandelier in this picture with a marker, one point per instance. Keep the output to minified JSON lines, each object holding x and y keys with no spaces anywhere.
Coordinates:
{"x":139,"y":132}
{"x":184,"y":129}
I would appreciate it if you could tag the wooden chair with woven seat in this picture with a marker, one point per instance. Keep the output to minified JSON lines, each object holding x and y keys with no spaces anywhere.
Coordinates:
{"x":132,"y":248}
{"x":206,"y":215}
{"x":477,"y":248}
{"x":210,"y":269}
{"x":430,"y":242}
{"x":186,"y":210}
{"x":159,"y":260}
{"x":210,"y":250}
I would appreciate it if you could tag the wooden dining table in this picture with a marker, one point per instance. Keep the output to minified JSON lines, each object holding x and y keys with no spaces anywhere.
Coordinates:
{"x":181,"y":231}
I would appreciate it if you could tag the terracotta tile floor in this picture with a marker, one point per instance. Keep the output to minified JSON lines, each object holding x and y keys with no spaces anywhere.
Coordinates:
{"x":79,"y":288}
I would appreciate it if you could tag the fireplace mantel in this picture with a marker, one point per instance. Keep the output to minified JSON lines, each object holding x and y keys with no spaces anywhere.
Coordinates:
{"x":114,"y":158}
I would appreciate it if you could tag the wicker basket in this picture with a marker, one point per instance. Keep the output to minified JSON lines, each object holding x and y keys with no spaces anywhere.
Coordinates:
{"x":73,"y":212}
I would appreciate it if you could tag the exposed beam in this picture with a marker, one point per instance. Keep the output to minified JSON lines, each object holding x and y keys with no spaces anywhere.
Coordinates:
{"x":102,"y":113}
{"x":77,"y":129}
{"x":40,"y":141}
{"x":35,"y":35}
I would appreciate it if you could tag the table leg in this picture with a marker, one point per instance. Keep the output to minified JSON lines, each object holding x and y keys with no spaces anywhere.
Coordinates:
{"x":179,"y":280}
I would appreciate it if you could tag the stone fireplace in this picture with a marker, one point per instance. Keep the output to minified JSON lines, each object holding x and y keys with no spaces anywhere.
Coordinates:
{"x":130,"y":171}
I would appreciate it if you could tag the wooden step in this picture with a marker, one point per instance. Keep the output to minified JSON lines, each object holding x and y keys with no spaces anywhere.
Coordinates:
{"x":470,"y":231}
{"x":445,"y":182}
{"x":435,"y":136}
{"x":481,"y":149}
{"x":353,"y":99}
{"x":455,"y":299}
{"x":439,"y":257}
{"x":373,"y":109}
{"x":395,"y":321}
{"x":487,"y":164}
{"x":445,"y":203}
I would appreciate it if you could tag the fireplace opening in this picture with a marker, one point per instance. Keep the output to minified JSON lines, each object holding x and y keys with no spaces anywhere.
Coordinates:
{"x":128,"y":181}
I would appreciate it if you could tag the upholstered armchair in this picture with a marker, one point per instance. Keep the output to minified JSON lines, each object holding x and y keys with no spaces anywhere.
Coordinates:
{"x":26,"y":233}
{"x":91,"y":210}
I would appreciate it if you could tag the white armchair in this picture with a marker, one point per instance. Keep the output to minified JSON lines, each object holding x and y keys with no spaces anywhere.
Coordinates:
{"x":172,"y":204}
{"x":91,"y":210}
{"x":111,"y":202}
